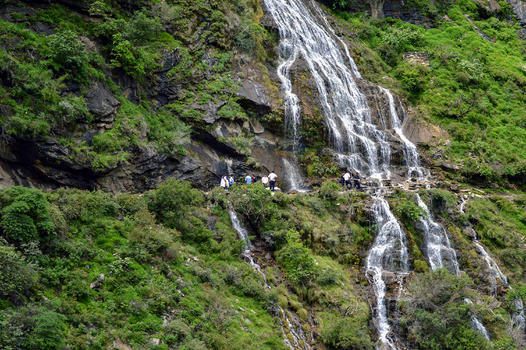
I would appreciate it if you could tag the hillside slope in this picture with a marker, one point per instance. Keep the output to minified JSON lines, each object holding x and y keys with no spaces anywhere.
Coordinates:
{"x":119,"y":118}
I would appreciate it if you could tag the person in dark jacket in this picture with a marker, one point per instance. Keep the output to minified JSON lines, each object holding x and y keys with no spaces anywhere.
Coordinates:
{"x":356,"y":178}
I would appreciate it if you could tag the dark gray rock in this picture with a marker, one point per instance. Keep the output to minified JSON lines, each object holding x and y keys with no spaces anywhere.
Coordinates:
{"x":168,"y":87}
{"x":519,"y":9}
{"x":101,"y":103}
{"x":254,"y":96}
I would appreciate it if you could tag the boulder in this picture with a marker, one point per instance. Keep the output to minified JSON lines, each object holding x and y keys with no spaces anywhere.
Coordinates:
{"x":101,"y":103}
{"x":417,"y":58}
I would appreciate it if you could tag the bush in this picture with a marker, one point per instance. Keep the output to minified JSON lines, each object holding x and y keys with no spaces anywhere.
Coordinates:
{"x":436,"y":315}
{"x":297,"y":261}
{"x":329,"y":190}
{"x":26,"y":216}
{"x":68,"y":54}
{"x":172,"y":201}
{"x":17,"y":277}
{"x":344,"y":332}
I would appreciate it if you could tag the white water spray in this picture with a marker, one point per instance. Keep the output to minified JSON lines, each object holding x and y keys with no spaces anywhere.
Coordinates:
{"x":293,"y":178}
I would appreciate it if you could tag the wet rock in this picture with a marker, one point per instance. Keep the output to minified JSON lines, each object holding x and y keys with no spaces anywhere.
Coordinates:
{"x":168,"y":87}
{"x":101,"y":103}
{"x":209,"y":111}
{"x":470,"y":232}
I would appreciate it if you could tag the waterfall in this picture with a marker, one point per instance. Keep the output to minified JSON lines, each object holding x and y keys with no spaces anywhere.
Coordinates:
{"x":518,"y":319}
{"x":288,"y":52}
{"x":305,"y":33}
{"x":438,"y":249}
{"x":293,"y":178}
{"x":289,"y":324}
{"x":389,"y":255}
{"x":441,"y":254}
{"x":356,"y":141}
{"x":476,"y":324}
{"x":411,"y":156}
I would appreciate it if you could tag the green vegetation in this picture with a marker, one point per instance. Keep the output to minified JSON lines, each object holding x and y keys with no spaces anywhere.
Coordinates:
{"x":500,"y":222}
{"x":471,"y":87}
{"x":436,"y":316}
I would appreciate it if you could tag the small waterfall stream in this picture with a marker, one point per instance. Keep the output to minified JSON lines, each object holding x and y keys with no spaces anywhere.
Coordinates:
{"x":518,"y":318}
{"x":290,"y":325}
{"x":411,"y":156}
{"x":440,"y":253}
{"x":293,"y":179}
{"x":388,"y":256}
{"x":438,"y":248}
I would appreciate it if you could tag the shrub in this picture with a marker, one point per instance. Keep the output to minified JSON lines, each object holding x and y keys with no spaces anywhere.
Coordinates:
{"x":47,"y":332}
{"x":329,"y":190}
{"x":26,"y":216}
{"x":297,"y":261}
{"x":17,"y":277}
{"x":436,"y":315}
{"x":68,"y":54}
{"x":172,"y":200}
{"x":344,"y":332}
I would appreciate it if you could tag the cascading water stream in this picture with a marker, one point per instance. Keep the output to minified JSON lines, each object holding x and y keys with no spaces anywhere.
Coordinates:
{"x":518,"y":319}
{"x":441,"y":254}
{"x":411,"y":156}
{"x":438,"y":248}
{"x":293,"y":180}
{"x":290,"y":325}
{"x":389,"y":255}
{"x":343,"y":106}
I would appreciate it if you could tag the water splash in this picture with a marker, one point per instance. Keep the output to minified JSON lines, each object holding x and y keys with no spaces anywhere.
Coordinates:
{"x":293,"y":178}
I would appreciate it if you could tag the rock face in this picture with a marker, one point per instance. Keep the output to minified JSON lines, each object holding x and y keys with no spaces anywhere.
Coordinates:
{"x":101,"y":103}
{"x":519,"y":9}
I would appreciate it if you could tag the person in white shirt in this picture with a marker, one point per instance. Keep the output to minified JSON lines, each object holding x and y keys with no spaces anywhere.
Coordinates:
{"x":224,"y":182}
{"x":272,"y":180}
{"x":264,"y":181}
{"x":347,"y":179}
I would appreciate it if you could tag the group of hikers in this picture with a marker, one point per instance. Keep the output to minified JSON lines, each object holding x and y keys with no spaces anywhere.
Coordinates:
{"x":350,"y":179}
{"x":268,"y":181}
